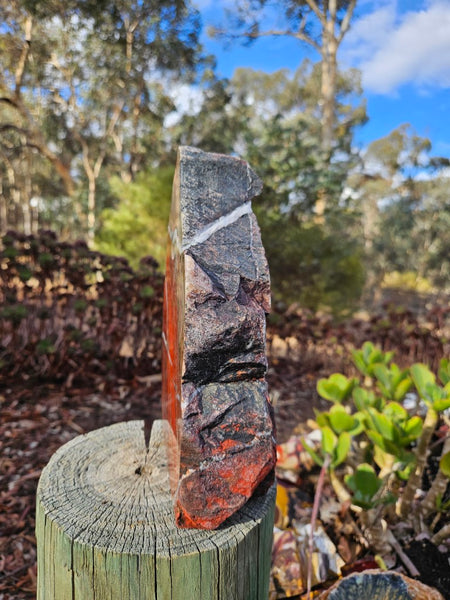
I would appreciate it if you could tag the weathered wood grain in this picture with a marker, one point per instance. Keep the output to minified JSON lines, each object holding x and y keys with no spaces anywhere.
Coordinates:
{"x":105,"y":528}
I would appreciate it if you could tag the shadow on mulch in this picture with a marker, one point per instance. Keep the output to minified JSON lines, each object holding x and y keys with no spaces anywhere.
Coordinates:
{"x":36,"y":419}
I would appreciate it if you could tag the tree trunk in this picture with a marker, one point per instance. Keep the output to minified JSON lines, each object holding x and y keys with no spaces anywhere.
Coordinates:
{"x":91,"y":207}
{"x":26,"y":216}
{"x":3,"y":211}
{"x":329,"y":72}
{"x":26,"y":197}
{"x":328,"y":93}
{"x":63,"y":171}
{"x":328,"y":105}
{"x":405,"y":503}
{"x":105,"y":528}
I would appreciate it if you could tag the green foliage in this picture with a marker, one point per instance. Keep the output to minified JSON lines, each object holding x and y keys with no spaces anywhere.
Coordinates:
{"x":310,"y":264}
{"x":83,"y":113}
{"x":340,"y":420}
{"x":441,"y":504}
{"x":368,"y":420}
{"x":408,"y":280}
{"x":444,"y":464}
{"x":324,"y":35}
{"x":444,"y":371}
{"x":430,"y":392}
{"x":282,"y":137}
{"x":14,"y":313}
{"x":217,"y":121}
{"x":426,"y":222}
{"x":45,"y":346}
{"x":85,"y":91}
{"x":80,"y":305}
{"x":365,"y":485}
{"x":81,"y":311}
{"x":147,"y":291}
{"x":335,"y":446}
{"x":273,"y":122}
{"x":24,"y":273}
{"x":336,"y":388}
{"x":406,"y":218}
{"x":393,"y":382}
{"x":138,"y":225}
{"x":368,"y":357}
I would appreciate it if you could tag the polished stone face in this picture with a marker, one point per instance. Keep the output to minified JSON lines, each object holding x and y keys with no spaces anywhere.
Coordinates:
{"x":216,"y":297}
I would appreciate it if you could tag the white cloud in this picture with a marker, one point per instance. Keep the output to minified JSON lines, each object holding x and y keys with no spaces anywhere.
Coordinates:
{"x":368,"y":34}
{"x":393,"y":50}
{"x":187,"y":99}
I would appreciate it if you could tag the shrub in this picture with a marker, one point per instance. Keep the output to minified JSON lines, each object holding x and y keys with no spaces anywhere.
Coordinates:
{"x":312,"y":265}
{"x":382,"y":446}
{"x":67,"y":309}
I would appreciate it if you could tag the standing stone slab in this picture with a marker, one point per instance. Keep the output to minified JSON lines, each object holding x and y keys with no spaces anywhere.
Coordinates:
{"x":217,"y":294}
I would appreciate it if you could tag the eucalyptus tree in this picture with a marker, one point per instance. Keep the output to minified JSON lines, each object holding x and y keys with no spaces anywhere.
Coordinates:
{"x":86,"y":83}
{"x":402,"y":191}
{"x":321,"y":24}
{"x":280,"y":136}
{"x":21,"y":130}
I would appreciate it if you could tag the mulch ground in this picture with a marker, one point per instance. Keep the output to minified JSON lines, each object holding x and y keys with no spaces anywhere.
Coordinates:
{"x":77,"y":328}
{"x":37,"y":417}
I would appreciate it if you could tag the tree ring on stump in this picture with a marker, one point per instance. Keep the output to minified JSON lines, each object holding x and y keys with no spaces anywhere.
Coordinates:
{"x":105,"y":527}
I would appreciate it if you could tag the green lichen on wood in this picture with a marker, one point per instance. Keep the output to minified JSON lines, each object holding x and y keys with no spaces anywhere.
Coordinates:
{"x":105,"y":528}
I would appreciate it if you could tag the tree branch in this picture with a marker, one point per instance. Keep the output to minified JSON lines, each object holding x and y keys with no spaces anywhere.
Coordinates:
{"x":15,"y":128}
{"x":34,"y":139}
{"x":330,"y":29}
{"x":315,"y":8}
{"x":333,"y":10}
{"x":441,"y":535}
{"x":108,"y":133}
{"x":61,"y":168}
{"x":11,"y":101}
{"x":299,"y":35}
{"x":84,"y":154}
{"x":345,"y":25}
{"x":403,"y":557}
{"x":68,"y":76}
{"x":20,"y":70}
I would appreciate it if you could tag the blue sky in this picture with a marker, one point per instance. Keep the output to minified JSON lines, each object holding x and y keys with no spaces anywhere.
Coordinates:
{"x":402,"y":48}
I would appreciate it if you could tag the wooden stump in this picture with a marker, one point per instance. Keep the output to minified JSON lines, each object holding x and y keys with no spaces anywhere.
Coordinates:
{"x":105,"y":528}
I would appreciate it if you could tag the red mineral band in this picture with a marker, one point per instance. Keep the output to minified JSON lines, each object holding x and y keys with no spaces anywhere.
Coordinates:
{"x":217,"y":294}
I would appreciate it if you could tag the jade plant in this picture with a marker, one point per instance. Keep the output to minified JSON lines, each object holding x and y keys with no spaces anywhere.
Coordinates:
{"x":375,"y":449}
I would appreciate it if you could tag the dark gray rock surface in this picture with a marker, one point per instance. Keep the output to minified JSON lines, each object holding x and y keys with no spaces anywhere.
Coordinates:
{"x":216,"y":298}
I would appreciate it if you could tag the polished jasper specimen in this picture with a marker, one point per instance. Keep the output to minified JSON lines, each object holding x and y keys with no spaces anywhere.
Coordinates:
{"x":216,"y":297}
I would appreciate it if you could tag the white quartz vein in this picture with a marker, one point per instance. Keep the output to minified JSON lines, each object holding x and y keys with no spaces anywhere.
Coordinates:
{"x":217,"y":225}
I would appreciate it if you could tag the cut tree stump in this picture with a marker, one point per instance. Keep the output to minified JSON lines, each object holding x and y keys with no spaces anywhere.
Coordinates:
{"x":105,"y":528}
{"x":374,"y":584}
